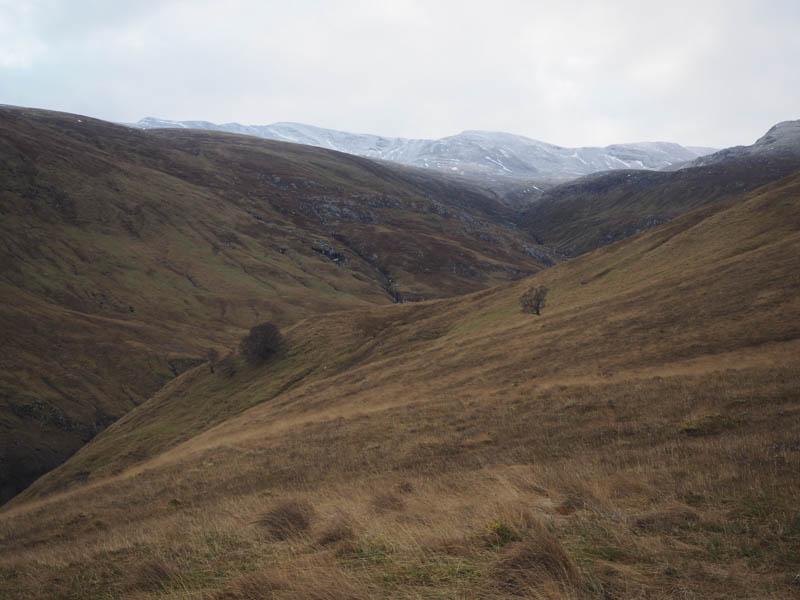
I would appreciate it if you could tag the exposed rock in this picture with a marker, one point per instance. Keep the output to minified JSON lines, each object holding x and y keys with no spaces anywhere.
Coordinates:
{"x":325,"y":249}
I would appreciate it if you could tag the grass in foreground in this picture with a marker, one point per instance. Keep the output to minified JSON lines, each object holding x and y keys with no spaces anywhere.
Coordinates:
{"x":575,"y":492}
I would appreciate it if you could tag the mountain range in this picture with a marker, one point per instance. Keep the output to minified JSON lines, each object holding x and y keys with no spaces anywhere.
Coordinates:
{"x":483,"y":154}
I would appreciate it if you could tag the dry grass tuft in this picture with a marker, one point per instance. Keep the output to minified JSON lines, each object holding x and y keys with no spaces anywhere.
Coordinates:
{"x":340,"y":531}
{"x":500,"y":534}
{"x":462,"y":546}
{"x":405,"y":487}
{"x":287,"y":519}
{"x":253,"y":586}
{"x":629,"y":486}
{"x":536,"y":564}
{"x":708,"y":424}
{"x":570,"y":504}
{"x":387,"y":502}
{"x":511,"y":523}
{"x":665,"y":521}
{"x":328,"y":583}
{"x":152,"y":574}
{"x":578,"y":495}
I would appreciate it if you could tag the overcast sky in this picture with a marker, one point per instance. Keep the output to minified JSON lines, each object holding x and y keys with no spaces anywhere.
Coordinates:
{"x":573,"y":73}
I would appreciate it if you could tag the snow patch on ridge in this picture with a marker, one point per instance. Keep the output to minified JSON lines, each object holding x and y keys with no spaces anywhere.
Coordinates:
{"x":485,"y":153}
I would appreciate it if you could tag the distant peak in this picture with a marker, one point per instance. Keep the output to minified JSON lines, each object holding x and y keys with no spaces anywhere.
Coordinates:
{"x":781,"y":131}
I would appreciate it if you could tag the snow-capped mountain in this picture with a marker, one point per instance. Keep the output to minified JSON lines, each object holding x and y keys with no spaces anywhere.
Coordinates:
{"x":781,"y":139}
{"x":489,"y":154}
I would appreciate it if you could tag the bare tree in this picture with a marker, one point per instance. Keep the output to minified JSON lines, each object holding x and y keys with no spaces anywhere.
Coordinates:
{"x":533,"y":300}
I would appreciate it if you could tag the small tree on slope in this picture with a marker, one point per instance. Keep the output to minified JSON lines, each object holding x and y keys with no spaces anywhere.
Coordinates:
{"x":532,"y":301}
{"x":261,"y":343}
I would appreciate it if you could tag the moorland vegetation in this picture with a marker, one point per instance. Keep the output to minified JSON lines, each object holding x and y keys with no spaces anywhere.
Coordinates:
{"x":637,"y":439}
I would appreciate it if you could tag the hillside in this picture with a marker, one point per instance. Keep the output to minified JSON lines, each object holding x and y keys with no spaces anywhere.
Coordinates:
{"x":782,"y":138}
{"x":127,"y":254}
{"x":599,"y":209}
{"x":637,"y":440}
{"x":488,"y":155}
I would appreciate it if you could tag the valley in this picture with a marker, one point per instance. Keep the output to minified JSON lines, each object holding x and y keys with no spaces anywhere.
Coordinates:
{"x":127,"y":255}
{"x":417,"y":435}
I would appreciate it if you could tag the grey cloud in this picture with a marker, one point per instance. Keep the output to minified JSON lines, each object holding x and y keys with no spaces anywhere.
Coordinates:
{"x":572,"y":73}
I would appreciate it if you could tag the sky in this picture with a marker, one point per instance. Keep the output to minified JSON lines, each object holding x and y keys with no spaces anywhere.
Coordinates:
{"x":569,"y":72}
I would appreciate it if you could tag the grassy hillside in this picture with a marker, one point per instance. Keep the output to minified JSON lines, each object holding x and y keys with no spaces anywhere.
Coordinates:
{"x":597,"y":210}
{"x":637,"y":440}
{"x":126,"y":254}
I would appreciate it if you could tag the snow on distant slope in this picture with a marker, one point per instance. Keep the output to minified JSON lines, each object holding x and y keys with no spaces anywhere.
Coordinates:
{"x":485,"y":153}
{"x":782,"y":138}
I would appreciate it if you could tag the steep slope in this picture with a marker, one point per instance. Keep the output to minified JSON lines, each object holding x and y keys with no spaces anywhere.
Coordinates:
{"x":484,"y":154}
{"x":636,"y":439}
{"x":126,"y":254}
{"x":594,"y":211}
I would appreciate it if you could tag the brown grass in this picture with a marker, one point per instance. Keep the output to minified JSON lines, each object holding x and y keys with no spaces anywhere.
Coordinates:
{"x":152,"y":574}
{"x":667,"y":520}
{"x":125,"y":255}
{"x":288,"y":519}
{"x":538,"y":458}
{"x":387,"y":501}
{"x":537,"y":566}
{"x":337,"y":531}
{"x":652,"y":509}
{"x":252,"y":586}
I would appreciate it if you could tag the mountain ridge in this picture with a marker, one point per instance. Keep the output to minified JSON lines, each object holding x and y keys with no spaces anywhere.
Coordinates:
{"x":781,"y":138}
{"x":598,"y":209}
{"x":498,"y":155}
